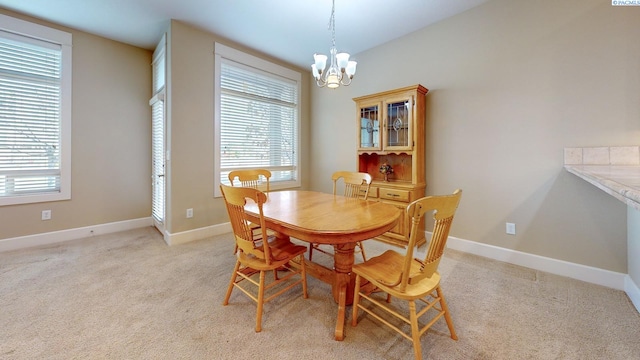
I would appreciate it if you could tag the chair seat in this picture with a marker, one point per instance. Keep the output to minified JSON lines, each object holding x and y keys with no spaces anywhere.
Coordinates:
{"x":281,"y":252}
{"x":387,"y":269}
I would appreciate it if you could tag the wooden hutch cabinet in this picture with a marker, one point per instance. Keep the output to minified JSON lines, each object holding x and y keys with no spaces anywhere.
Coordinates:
{"x":391,"y":131}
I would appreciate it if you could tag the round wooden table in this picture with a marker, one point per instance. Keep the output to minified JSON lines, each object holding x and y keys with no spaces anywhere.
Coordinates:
{"x":329,"y":219}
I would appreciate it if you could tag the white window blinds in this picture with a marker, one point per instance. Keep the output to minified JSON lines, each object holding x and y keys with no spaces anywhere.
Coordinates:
{"x":30,"y":115}
{"x":258,"y":122}
{"x":158,"y":133}
{"x":157,"y":149}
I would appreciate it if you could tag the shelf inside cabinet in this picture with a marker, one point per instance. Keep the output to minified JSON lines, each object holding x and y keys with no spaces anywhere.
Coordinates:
{"x":400,"y":163}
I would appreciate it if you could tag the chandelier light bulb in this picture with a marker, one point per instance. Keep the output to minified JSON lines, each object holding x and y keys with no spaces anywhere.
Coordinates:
{"x":333,"y":78}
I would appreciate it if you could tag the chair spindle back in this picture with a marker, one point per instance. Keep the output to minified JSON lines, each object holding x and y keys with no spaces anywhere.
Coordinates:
{"x":444,"y":208}
{"x":356,"y":184}
{"x":253,"y":178}
{"x":236,"y":199}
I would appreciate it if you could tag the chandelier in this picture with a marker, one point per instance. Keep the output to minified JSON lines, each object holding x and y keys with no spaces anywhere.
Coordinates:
{"x":341,"y":70}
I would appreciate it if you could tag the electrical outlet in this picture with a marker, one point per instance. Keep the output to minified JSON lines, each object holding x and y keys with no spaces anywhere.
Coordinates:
{"x":511,"y":228}
{"x":189,"y":213}
{"x":46,"y":214}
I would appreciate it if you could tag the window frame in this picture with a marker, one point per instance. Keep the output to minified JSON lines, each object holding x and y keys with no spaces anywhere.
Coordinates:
{"x":224,"y":52}
{"x":43,"y":33}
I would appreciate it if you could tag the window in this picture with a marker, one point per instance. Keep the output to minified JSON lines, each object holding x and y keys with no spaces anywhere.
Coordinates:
{"x":35,"y":113}
{"x":257,"y":118}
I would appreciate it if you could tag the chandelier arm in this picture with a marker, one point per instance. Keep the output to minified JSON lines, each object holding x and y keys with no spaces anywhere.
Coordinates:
{"x":321,"y":82}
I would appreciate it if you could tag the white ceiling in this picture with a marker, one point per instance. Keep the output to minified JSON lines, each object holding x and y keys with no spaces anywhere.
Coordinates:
{"x":292,"y":30}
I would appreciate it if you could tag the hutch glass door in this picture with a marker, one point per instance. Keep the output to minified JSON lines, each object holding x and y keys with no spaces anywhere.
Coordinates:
{"x":398,"y":125}
{"x":369,"y":127}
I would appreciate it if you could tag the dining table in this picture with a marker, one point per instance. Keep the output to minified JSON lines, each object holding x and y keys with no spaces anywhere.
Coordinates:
{"x":323,"y":218}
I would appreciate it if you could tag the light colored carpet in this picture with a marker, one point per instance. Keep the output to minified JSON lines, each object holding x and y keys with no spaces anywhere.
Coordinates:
{"x":130,"y":296}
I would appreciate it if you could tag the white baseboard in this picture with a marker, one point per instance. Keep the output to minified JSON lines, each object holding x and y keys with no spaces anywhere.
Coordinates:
{"x":593,"y":275}
{"x":633,"y":291}
{"x":197,"y":234}
{"x":611,"y":279}
{"x":54,"y":237}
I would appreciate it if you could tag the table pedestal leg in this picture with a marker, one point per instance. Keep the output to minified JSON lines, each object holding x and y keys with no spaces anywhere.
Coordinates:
{"x":342,"y":287}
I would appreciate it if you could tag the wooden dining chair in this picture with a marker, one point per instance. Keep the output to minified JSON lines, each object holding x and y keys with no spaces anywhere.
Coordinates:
{"x":407,"y":278}
{"x":269,"y":254}
{"x":253,"y":178}
{"x":356,"y":185}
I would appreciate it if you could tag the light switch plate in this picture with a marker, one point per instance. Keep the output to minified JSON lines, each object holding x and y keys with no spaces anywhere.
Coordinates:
{"x":511,"y":228}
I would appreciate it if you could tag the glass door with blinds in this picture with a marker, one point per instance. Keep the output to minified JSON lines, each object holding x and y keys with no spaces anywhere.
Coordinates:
{"x":158,"y":138}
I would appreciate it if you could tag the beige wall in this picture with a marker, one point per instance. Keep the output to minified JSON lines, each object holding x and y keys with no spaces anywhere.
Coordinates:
{"x":512,"y":83}
{"x":191,"y":116}
{"x":111,"y":140}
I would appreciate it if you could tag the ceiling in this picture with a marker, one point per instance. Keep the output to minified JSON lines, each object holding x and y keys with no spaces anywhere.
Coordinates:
{"x":291,"y":30}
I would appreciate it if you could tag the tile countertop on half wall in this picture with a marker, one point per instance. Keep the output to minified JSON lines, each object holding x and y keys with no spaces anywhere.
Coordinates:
{"x":615,"y":170}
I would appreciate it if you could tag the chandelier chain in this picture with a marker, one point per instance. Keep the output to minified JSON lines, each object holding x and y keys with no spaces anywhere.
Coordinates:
{"x":332,"y":24}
